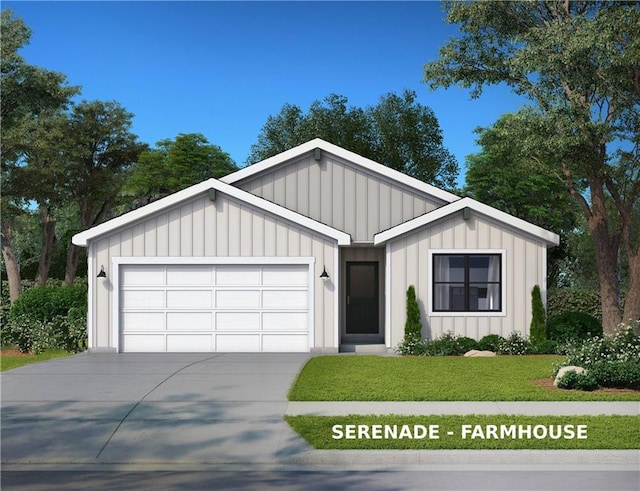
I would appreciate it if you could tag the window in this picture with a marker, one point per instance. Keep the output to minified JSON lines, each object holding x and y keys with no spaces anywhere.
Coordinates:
{"x":467,"y":282}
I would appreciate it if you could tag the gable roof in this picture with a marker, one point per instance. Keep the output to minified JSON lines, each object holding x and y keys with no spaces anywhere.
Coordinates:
{"x":550,"y":238}
{"x":354,"y":158}
{"x":82,"y":238}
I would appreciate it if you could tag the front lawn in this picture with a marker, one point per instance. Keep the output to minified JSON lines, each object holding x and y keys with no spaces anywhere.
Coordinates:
{"x":13,"y":359}
{"x":437,"y":378}
{"x":479,"y":432}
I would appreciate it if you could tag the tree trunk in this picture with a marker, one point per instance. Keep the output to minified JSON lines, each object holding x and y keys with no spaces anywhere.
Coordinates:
{"x":71,"y":269}
{"x":49,"y":241}
{"x":10,"y":262}
{"x":632,"y":301}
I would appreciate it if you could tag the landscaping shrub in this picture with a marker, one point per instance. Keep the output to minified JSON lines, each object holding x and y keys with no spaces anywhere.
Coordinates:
{"x":411,"y":346}
{"x":490,"y":342}
{"x":545,"y":347}
{"x":617,"y":374}
{"x":467,"y":344}
{"x":46,"y":302}
{"x":514,"y":344}
{"x":412,"y":343}
{"x":579,"y":381}
{"x":445,"y":345}
{"x":573,"y":326}
{"x":538,"y":326}
{"x":561,"y":300}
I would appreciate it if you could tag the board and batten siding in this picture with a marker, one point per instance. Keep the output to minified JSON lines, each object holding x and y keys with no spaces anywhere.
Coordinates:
{"x":202,"y":228}
{"x":341,"y":195}
{"x":408,"y":264}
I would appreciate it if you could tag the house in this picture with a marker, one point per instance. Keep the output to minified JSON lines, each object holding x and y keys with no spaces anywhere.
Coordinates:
{"x":310,"y":250}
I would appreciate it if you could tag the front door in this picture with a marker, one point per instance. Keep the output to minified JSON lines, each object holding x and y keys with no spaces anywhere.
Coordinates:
{"x":362,"y":298}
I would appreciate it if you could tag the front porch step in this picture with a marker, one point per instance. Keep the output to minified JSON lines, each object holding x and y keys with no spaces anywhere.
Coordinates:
{"x":363,"y":348}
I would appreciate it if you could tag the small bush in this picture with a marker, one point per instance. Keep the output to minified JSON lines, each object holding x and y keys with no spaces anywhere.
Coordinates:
{"x":467,"y":344}
{"x":514,"y":344}
{"x":573,"y":326}
{"x":411,"y":346}
{"x":579,"y":381}
{"x":445,"y":345}
{"x":490,"y":342}
{"x":561,"y":300}
{"x":545,"y":347}
{"x":617,"y":374}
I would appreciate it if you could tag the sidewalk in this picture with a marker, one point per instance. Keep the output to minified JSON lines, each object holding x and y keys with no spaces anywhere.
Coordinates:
{"x":529,"y":408}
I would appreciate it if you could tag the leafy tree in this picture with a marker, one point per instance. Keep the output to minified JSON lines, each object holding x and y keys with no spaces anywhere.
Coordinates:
{"x":30,"y":96}
{"x":577,"y":62}
{"x":398,"y":132}
{"x":176,"y":164}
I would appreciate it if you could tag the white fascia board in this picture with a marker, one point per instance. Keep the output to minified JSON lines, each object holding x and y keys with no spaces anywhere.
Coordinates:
{"x":82,"y":238}
{"x":550,"y":238}
{"x":347,"y":155}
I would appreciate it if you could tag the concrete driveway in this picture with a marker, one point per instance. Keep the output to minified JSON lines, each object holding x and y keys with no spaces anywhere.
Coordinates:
{"x":150,"y":409}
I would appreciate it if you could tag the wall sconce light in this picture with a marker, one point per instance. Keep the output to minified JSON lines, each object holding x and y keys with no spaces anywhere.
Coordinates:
{"x":102,"y":273}
{"x":324,"y":275}
{"x":466,"y":213}
{"x":317,"y":154}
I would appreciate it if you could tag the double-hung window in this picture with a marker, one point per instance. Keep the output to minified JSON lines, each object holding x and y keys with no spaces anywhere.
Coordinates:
{"x":467,"y":282}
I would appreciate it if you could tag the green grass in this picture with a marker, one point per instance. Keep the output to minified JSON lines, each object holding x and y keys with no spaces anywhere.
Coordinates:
{"x":10,"y":361}
{"x":603,"y":432}
{"x":377,"y":378}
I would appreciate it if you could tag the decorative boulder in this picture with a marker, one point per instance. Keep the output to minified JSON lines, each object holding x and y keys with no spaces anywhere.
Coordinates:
{"x":564,"y":370}
{"x":478,"y":353}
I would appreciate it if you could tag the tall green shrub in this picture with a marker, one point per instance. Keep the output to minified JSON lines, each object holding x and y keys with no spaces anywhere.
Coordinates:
{"x":413,"y":325}
{"x":538,"y":326}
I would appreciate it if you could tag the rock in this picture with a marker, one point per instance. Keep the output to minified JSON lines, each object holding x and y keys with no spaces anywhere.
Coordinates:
{"x":477,"y":353}
{"x":564,"y":370}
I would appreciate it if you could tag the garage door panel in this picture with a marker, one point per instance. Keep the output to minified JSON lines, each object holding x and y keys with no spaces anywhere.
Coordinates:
{"x":238,"y":299}
{"x":285,"y":343}
{"x":238,"y":342}
{"x":285,"y":321}
{"x":189,"y":299}
{"x":147,"y":299}
{"x":143,"y":342}
{"x":192,"y":343}
{"x":189,"y":321}
{"x":285,"y":275}
{"x":207,"y":307}
{"x":237,"y":321}
{"x":143,"y":275}
{"x":189,"y":275}
{"x":237,"y":275}
{"x":142,"y":321}
{"x":278,"y":299}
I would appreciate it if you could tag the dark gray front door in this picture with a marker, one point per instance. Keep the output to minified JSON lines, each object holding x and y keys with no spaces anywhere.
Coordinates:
{"x":362,"y":298}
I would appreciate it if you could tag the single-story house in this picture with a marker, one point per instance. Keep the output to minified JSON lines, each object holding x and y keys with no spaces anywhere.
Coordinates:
{"x":310,"y":250}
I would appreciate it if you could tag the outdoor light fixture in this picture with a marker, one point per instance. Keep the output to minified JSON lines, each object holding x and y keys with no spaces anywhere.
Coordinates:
{"x":317,"y":154}
{"x":324,"y":275}
{"x":102,"y":273}
{"x":466,"y":213}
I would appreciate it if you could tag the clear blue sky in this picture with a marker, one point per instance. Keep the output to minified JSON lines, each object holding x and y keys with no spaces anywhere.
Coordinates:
{"x":221,"y":68}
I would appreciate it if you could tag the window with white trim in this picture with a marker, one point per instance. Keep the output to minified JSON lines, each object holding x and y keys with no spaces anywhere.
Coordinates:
{"x":467,"y":282}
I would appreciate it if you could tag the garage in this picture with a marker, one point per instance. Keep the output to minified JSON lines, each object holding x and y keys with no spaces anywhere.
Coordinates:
{"x":213,"y":307}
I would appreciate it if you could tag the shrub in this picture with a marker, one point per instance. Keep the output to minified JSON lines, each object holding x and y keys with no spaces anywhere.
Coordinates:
{"x":618,"y":374}
{"x":490,"y":342}
{"x":413,"y":324}
{"x":47,"y":302}
{"x":411,"y":346}
{"x":514,"y":344}
{"x":538,"y":327}
{"x":573,"y":326}
{"x":445,"y":345}
{"x":545,"y":347}
{"x":580,"y":381}
{"x":561,"y":300}
{"x":467,"y":344}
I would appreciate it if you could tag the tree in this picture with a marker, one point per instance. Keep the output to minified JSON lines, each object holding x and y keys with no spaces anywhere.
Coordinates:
{"x":579,"y":64}
{"x":99,"y":150}
{"x":176,"y":164}
{"x":398,"y":132}
{"x":29,"y":96}
{"x":413,"y":324}
{"x":538,"y":327}
{"x":501,"y":175}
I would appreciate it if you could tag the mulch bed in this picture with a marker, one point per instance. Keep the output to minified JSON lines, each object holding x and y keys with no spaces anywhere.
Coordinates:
{"x":13,"y":352}
{"x":547,"y":383}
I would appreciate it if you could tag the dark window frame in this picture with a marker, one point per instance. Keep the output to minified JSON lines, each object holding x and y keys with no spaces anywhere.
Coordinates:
{"x":467,"y":282}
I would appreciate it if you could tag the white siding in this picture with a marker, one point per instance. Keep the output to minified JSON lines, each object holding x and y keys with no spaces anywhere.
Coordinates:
{"x":409,"y":265}
{"x":224,"y":228}
{"x":341,"y":195}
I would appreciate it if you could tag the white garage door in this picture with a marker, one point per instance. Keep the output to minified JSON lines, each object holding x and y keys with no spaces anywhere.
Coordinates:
{"x":201,"y":308}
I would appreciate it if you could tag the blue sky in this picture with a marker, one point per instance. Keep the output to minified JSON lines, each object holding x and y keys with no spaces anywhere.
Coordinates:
{"x":221,"y":68}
